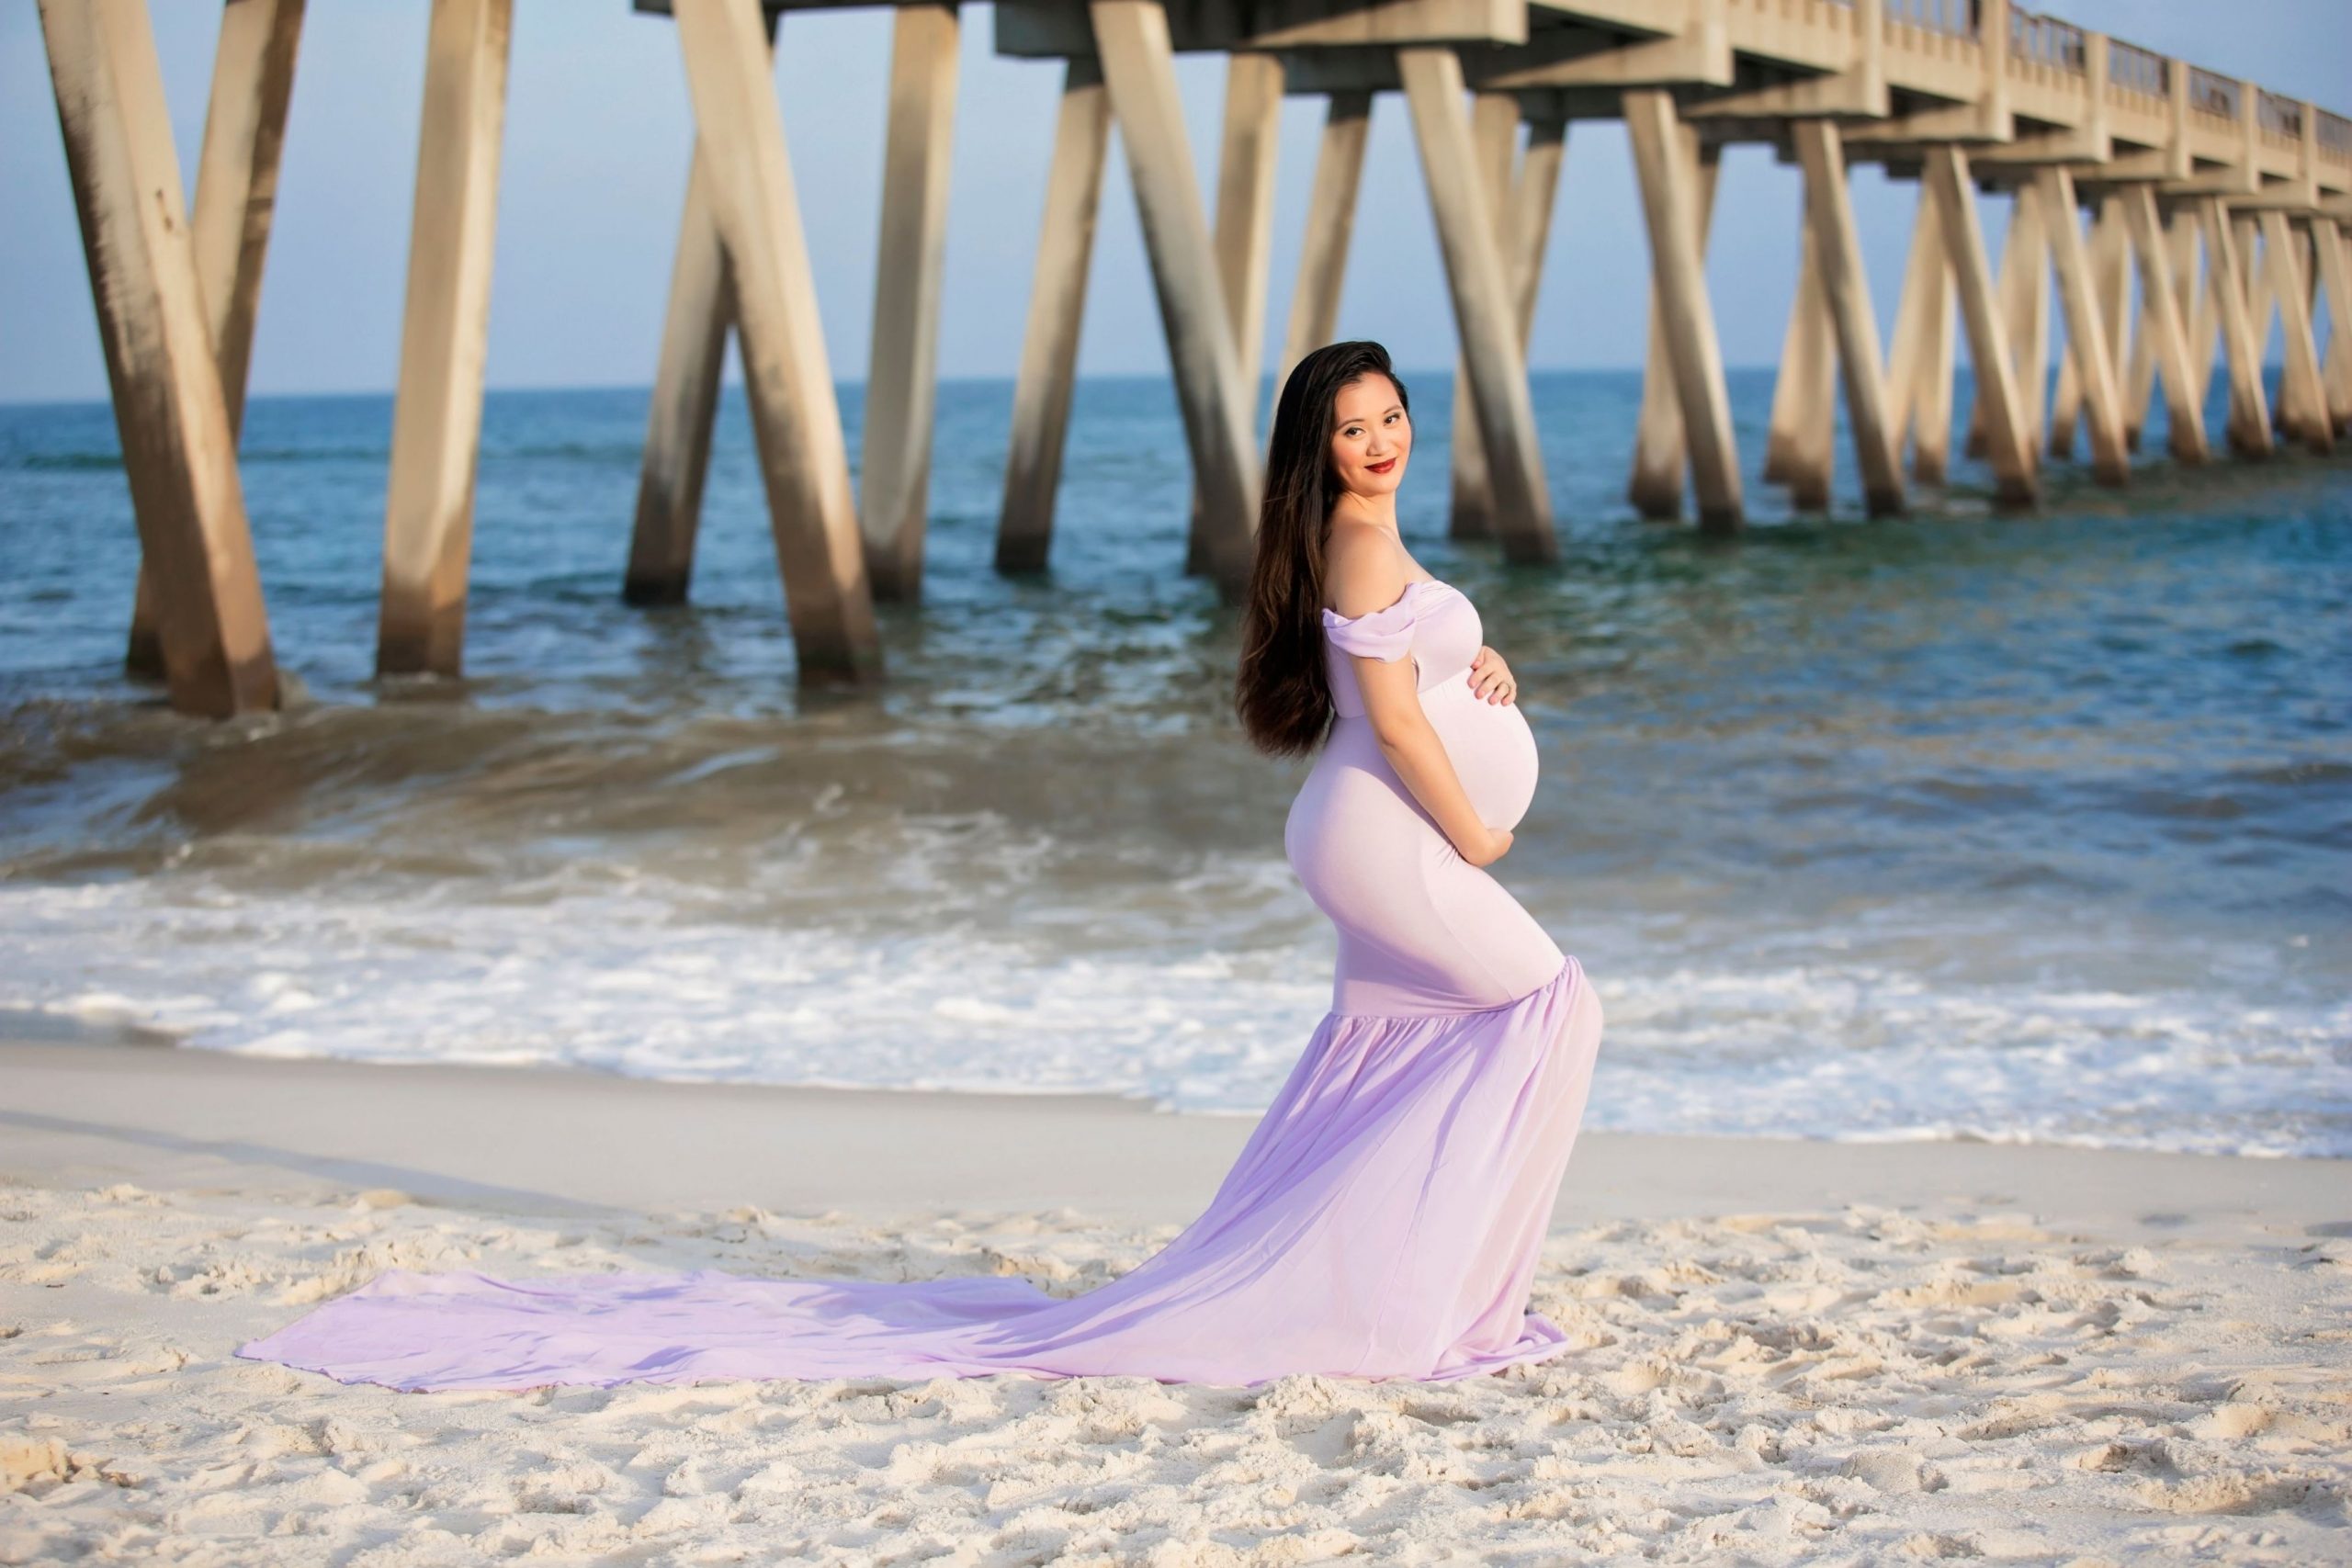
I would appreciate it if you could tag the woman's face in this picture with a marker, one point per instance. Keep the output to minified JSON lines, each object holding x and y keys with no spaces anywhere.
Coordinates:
{"x":1370,"y":435}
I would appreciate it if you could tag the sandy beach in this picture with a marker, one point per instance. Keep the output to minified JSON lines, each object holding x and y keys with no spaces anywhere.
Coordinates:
{"x":1786,"y":1350}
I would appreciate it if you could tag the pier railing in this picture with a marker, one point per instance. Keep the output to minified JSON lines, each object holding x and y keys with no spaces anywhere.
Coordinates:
{"x":2137,"y":69}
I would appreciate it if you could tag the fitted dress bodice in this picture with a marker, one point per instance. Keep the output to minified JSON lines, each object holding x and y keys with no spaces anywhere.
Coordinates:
{"x":1435,"y":624}
{"x":1421,"y":930}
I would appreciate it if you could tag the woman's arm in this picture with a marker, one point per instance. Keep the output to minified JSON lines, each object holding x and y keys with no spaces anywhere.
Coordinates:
{"x":1367,"y":576}
{"x":1392,"y":700}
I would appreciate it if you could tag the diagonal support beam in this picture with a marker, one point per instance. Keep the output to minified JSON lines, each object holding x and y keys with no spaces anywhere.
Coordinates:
{"x":1486,"y":311}
{"x":804,"y":459}
{"x":2024,"y":292}
{"x":1661,"y":452}
{"x":2335,"y":281}
{"x":684,"y":409}
{"x":236,"y":198}
{"x":1800,"y":445}
{"x":1669,"y":176}
{"x":2162,"y":331}
{"x":1043,"y":391}
{"x":1244,"y":232}
{"x":1494,"y":139}
{"x":2249,"y":421}
{"x":1138,"y":65}
{"x":1829,"y":212}
{"x":1919,"y":374}
{"x":1330,"y":223}
{"x":2303,"y":396}
{"x":902,"y":374}
{"x":2086,"y":338}
{"x":171,"y":413}
{"x":2008,"y":444}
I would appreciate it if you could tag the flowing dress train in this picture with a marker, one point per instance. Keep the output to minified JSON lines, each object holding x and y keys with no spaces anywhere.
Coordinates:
{"x":1383,"y":1219}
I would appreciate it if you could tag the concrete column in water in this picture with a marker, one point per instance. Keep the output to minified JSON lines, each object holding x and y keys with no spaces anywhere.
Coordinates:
{"x":445,"y":330}
{"x":796,"y":418}
{"x":1494,"y":141}
{"x":1660,"y":450}
{"x":2303,"y":396}
{"x":1918,"y":373}
{"x":2161,"y":329}
{"x":2335,"y":280}
{"x":1486,"y":314}
{"x":1048,"y":377}
{"x":1331,"y":222}
{"x":2110,"y":263}
{"x":178,"y":448}
{"x":2008,"y":444}
{"x":1799,"y":443}
{"x":684,"y":409}
{"x":1829,"y":213}
{"x":236,"y":198}
{"x":902,"y":375}
{"x":2087,"y":339}
{"x":1138,"y":65}
{"x":2249,"y":420}
{"x":1668,"y":179}
{"x":1245,"y":235}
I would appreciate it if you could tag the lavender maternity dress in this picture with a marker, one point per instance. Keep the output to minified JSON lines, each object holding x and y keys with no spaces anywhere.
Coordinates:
{"x":1382,"y":1221}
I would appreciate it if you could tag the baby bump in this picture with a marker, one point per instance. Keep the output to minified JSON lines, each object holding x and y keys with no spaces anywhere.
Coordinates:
{"x":1492,"y":749}
{"x":1421,"y":930}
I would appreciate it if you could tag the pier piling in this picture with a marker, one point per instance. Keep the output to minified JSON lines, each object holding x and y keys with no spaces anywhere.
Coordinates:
{"x":171,"y":412}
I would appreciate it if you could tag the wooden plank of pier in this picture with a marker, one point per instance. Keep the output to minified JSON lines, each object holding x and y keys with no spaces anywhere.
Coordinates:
{"x":171,"y":414}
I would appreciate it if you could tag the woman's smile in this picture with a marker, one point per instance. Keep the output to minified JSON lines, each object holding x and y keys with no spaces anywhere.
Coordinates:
{"x":1380,"y":467}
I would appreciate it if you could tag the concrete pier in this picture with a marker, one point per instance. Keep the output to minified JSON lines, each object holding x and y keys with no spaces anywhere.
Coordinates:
{"x":2168,"y":214}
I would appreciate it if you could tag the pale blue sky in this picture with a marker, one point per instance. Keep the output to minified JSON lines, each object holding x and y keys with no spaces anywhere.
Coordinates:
{"x":597,"y":136}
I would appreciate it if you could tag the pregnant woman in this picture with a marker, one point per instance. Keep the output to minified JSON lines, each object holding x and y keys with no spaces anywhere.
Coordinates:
{"x":1384,"y":1217}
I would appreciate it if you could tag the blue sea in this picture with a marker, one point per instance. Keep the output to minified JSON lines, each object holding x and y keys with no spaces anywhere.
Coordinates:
{"x":1964,"y":824}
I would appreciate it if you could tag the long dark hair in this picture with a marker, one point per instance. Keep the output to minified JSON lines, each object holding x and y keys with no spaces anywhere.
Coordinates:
{"x":1282,"y":690}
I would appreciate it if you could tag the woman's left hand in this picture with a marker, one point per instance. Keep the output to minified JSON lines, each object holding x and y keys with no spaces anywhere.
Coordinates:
{"x":1491,"y":679}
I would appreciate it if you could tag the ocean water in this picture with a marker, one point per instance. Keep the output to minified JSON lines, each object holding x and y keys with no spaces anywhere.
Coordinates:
{"x":1964,"y":823}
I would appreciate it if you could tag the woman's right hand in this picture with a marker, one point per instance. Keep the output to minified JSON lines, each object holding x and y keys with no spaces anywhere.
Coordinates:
{"x":1487,"y":854}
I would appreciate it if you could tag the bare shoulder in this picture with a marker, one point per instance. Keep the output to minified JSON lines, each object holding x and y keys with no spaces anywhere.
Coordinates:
{"x":1362,"y":569}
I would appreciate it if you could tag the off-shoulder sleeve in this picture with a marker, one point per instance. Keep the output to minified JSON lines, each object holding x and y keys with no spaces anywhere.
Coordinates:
{"x":1385,"y":634}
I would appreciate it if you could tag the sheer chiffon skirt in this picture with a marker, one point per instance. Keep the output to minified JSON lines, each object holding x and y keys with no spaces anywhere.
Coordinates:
{"x":1382,"y":1220}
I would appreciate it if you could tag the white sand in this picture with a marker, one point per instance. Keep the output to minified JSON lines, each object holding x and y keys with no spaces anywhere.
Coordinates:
{"x":1788,"y":1352}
